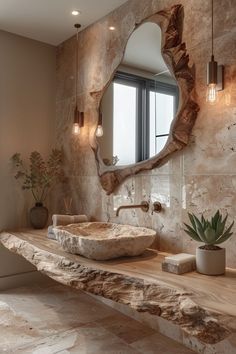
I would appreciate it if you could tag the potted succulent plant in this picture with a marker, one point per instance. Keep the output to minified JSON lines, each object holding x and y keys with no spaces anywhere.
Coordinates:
{"x":210,"y":258}
{"x":39,"y":178}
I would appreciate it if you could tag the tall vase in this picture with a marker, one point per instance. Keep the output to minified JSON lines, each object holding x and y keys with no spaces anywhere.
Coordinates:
{"x":38,"y":216}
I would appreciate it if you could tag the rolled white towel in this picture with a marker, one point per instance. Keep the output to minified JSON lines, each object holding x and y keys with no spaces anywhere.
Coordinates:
{"x":51,"y":234}
{"x":67,"y":219}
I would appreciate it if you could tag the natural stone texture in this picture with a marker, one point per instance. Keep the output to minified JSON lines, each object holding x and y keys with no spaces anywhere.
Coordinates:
{"x":103,"y":241}
{"x":133,"y":284}
{"x":178,"y":268}
{"x":72,"y":322}
{"x":209,"y":158}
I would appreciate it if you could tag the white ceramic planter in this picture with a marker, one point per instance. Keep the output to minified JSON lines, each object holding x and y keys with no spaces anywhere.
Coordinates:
{"x":210,"y":262}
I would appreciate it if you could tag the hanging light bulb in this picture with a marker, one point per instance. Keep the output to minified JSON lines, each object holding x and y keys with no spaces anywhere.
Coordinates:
{"x":214,"y":72}
{"x":78,"y":116}
{"x":99,"y":130}
{"x":76,"y":129}
{"x":211,"y":95}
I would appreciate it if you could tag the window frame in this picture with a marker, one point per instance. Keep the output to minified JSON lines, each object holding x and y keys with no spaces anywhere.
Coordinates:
{"x":144,"y":87}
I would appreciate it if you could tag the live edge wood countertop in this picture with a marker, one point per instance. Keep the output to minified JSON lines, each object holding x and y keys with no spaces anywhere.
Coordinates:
{"x":204,"y":306}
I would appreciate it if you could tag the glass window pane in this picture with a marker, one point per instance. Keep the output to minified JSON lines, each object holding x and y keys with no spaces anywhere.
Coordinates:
{"x":164,"y":113}
{"x":161,"y":114}
{"x":152,"y":125}
{"x":124,"y":123}
{"x":160,"y":143}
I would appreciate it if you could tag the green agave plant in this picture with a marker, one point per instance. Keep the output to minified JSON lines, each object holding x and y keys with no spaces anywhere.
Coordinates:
{"x":210,"y":232}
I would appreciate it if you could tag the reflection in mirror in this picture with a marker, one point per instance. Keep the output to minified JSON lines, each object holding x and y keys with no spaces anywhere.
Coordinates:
{"x":140,"y":103}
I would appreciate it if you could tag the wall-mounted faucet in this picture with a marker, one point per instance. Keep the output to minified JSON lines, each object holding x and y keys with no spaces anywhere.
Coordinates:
{"x":144,"y":206}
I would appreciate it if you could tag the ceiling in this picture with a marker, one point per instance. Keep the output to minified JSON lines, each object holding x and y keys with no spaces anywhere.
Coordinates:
{"x":143,"y":50}
{"x":50,"y":21}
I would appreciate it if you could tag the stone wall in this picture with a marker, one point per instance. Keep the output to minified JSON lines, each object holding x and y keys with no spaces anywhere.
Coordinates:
{"x":201,"y":178}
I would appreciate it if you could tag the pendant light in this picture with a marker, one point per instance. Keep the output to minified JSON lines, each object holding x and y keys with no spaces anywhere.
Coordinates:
{"x":78,"y":116}
{"x":99,"y":130}
{"x":214,"y":71}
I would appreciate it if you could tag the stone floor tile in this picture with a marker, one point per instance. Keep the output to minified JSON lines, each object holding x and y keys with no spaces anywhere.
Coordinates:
{"x":57,"y":308}
{"x":57,"y":319}
{"x":126,"y":328}
{"x":159,"y":344}
{"x":88,"y":339}
{"x":28,"y":314}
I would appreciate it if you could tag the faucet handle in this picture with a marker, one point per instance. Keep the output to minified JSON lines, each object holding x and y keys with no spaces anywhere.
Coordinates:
{"x":144,"y":206}
{"x":157,"y":207}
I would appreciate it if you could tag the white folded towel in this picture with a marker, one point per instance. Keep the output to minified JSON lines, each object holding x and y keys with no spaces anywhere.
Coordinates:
{"x":51,"y":234}
{"x":67,"y":219}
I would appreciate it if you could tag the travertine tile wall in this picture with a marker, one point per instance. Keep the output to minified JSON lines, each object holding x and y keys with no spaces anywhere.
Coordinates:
{"x":201,"y":178}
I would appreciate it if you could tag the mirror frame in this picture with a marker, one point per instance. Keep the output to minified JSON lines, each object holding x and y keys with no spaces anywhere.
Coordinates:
{"x":177,"y":60}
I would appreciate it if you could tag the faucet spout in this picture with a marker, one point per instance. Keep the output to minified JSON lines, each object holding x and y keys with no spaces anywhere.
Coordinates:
{"x":144,"y":206}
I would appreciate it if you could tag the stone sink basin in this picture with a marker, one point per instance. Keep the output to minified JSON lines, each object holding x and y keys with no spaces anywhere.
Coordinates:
{"x":103,"y":241}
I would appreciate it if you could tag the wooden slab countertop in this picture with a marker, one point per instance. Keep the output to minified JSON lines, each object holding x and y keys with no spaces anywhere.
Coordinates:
{"x":204,"y":306}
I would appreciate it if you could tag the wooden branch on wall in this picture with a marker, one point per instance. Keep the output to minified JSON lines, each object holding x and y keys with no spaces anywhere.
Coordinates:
{"x":177,"y":60}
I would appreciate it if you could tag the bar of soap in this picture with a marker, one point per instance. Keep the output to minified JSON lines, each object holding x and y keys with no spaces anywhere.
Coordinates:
{"x":179,"y":263}
{"x":180,"y":258}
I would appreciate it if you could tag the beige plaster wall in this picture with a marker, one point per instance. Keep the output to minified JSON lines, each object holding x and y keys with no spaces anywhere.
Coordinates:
{"x":27,"y":118}
{"x":201,"y":178}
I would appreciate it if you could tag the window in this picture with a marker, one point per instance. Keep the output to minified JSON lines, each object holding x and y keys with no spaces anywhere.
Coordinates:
{"x":124,"y":122}
{"x":143,"y":110}
{"x":161,"y":115}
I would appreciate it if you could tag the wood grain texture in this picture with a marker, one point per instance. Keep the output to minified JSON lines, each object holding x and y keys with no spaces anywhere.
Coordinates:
{"x":177,"y":60}
{"x":204,"y":307}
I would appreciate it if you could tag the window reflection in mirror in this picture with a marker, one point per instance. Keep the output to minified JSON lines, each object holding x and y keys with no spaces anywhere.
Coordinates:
{"x":124,"y":122}
{"x":140,"y":102}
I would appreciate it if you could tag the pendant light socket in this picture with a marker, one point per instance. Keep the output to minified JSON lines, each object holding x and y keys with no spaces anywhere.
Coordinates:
{"x":81,"y":119}
{"x":100,"y":118}
{"x":78,"y":117}
{"x":212,"y":67}
{"x":77,"y":26}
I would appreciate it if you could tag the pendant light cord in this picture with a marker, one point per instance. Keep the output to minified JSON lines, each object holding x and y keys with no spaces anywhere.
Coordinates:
{"x":76,"y":66}
{"x":155,"y":115}
{"x":77,"y":26}
{"x":212,"y":30}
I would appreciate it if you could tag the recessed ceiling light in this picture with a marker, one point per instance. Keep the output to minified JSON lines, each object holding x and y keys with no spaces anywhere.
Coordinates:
{"x":112,"y":28}
{"x":75,"y":12}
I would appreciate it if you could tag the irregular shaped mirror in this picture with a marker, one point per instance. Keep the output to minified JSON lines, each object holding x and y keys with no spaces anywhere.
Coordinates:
{"x":148,"y":110}
{"x":140,"y":103}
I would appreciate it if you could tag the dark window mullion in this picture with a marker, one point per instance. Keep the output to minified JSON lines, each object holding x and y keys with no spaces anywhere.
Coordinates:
{"x":147,"y":119}
{"x":161,"y":135}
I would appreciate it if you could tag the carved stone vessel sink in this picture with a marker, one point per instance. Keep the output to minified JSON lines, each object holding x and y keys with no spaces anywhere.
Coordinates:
{"x":103,"y":241}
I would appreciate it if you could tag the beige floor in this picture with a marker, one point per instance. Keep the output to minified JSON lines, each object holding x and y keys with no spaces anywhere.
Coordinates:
{"x":51,"y":318}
